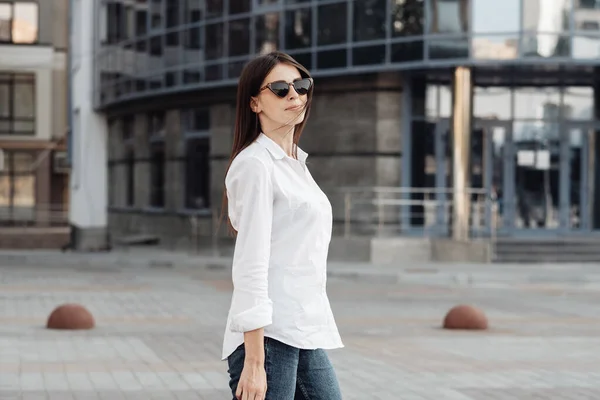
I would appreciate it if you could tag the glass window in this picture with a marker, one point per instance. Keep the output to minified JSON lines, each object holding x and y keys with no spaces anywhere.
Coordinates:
{"x":368,"y":55}
{"x":214,"y":41}
{"x":196,"y":125}
{"x":25,"y":23}
{"x":491,"y":16}
{"x":239,"y":37}
{"x":17,"y":104}
{"x":408,"y":18}
{"x":24,"y":98}
{"x":585,"y":16}
{"x":157,"y":174}
{"x":332,"y":24}
{"x":156,"y":14}
{"x":17,"y":187}
{"x":407,"y":51}
{"x":19,"y":22}
{"x":214,"y":8}
{"x":5,"y":22}
{"x":449,"y":16}
{"x":172,"y":22}
{"x":369,"y":20}
{"x":495,"y":47}
{"x":298,"y":25}
{"x":578,"y":103}
{"x":492,"y":103}
{"x":141,"y":22}
{"x":438,"y":101}
{"x":239,"y":6}
{"x":585,"y":46}
{"x":331,"y":59}
{"x":197,"y":172}
{"x":267,"y":33}
{"x":539,"y":18}
{"x":537,"y":103}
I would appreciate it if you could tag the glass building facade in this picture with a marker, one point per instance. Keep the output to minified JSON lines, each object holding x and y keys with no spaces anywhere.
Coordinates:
{"x":523,"y":72}
{"x":156,"y":46}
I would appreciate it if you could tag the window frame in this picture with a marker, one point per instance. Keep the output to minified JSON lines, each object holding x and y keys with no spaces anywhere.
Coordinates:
{"x":12,"y":4}
{"x":11,"y":79}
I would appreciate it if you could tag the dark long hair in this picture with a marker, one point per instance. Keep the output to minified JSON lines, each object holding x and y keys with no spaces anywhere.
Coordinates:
{"x":247,"y":124}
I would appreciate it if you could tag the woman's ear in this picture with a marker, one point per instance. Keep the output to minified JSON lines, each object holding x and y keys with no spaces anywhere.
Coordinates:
{"x":254,"y":105}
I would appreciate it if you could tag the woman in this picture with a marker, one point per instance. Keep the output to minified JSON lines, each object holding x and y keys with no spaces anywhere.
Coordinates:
{"x":280,"y":320}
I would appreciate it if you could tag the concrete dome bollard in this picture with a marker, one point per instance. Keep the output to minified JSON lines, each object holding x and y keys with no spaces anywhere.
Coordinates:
{"x":70,"y":317}
{"x":465,"y":317}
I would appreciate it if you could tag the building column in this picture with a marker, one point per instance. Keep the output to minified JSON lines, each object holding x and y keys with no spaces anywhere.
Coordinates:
{"x":461,"y":143}
{"x":88,"y":215}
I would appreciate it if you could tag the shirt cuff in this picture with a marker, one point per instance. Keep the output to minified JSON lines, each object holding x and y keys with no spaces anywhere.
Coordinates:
{"x":256,"y":317}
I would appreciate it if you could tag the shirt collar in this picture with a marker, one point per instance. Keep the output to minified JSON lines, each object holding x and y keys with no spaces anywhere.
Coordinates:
{"x":276,"y":150}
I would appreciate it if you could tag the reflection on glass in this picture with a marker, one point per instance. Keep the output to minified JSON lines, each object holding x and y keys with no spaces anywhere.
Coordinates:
{"x":492,"y":103}
{"x":25,"y":23}
{"x":585,"y":16}
{"x":298,"y":28}
{"x":578,"y":103}
{"x":438,"y":101}
{"x":491,"y":16}
{"x":546,"y":45}
{"x":267,"y":33}
{"x":449,"y":16}
{"x":543,"y":21}
{"x":586,"y":46}
{"x":537,"y":177}
{"x":369,"y":20}
{"x":408,"y":17}
{"x":537,"y":103}
{"x":495,"y":47}
{"x":332,"y":24}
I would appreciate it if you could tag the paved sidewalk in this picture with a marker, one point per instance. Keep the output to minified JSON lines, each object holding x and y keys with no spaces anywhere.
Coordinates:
{"x":465,"y":274}
{"x":160,"y":329}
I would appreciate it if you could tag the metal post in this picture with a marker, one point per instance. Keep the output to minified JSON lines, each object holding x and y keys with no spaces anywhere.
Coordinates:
{"x":461,"y":126}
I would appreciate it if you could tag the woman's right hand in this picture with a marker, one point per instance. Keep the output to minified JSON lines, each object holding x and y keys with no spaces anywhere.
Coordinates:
{"x":253,"y":382}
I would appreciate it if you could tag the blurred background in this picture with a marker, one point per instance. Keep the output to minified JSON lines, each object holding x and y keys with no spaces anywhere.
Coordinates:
{"x":441,"y":130}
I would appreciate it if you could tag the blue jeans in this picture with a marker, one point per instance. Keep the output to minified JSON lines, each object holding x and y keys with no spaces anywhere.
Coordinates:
{"x":292,"y":373}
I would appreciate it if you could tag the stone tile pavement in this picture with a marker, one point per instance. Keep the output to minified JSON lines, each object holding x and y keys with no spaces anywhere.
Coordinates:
{"x":159,"y":331}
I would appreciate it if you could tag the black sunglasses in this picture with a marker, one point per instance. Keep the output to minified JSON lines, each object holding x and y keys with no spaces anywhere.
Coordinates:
{"x":282,"y":88}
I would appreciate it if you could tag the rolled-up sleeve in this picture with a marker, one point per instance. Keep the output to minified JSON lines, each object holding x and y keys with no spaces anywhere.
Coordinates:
{"x":250,"y":199}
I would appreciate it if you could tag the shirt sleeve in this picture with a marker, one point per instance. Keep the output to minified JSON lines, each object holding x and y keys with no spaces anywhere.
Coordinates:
{"x":250,"y":199}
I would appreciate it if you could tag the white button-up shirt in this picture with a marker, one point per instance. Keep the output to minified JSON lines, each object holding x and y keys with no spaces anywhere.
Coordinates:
{"x":284,"y":223}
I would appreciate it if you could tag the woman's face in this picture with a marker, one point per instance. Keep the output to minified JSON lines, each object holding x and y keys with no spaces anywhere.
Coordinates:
{"x":275,"y":111}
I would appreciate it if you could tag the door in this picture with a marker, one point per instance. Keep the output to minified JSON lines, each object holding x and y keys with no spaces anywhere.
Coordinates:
{"x":489,"y":167}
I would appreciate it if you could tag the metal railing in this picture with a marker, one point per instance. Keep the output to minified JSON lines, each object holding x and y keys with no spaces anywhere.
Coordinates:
{"x":39,"y":215}
{"x":393,"y":211}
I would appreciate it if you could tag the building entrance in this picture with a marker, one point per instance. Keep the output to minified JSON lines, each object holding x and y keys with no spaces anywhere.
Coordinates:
{"x":544,"y":183}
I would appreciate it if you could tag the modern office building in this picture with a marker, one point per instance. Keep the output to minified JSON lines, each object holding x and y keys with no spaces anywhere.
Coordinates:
{"x":476,"y":118}
{"x":33,"y":114}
